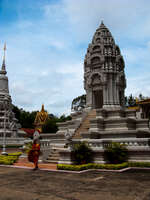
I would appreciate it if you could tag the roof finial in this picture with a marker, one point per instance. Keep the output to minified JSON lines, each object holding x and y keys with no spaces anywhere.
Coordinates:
{"x":102,"y":24}
{"x":42,"y":108}
{"x":3,"y":69}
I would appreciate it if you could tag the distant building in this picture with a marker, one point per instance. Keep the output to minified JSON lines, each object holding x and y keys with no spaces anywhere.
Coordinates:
{"x":142,"y":108}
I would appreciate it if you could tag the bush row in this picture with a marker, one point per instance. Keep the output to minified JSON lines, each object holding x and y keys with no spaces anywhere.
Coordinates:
{"x":91,"y":166}
{"x":10,"y":158}
{"x":102,"y":166}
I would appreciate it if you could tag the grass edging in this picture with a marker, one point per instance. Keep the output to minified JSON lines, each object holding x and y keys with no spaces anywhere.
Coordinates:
{"x":102,"y":166}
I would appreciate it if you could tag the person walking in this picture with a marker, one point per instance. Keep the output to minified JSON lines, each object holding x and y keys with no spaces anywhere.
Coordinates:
{"x":35,"y":153}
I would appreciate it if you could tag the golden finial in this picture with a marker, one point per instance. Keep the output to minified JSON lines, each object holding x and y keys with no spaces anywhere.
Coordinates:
{"x":42,"y":110}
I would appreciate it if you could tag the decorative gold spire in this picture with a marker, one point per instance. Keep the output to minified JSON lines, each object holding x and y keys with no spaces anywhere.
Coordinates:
{"x":40,"y":119}
{"x":42,"y":110}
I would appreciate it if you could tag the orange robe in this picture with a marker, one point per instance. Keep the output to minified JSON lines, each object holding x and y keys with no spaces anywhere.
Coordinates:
{"x":35,"y":153}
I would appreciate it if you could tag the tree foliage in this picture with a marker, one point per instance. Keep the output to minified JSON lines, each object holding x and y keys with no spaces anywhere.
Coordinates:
{"x":79,"y":103}
{"x":51,"y":124}
{"x":25,"y":118}
{"x":131,"y":100}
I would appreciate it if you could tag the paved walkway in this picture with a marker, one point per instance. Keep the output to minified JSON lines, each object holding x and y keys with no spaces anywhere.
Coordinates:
{"x":23,"y":163}
{"x":23,"y":184}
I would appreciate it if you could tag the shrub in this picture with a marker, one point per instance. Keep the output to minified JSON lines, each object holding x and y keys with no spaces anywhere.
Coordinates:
{"x":139,"y":164}
{"x":92,"y":166}
{"x":116,"y":153}
{"x":27,"y":147}
{"x":82,"y":153}
{"x":10,"y":158}
{"x":102,"y":166}
{"x":15,"y":154}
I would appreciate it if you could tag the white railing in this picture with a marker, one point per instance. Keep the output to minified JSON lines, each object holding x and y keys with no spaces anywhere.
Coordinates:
{"x":45,"y":144}
{"x":129,"y":142}
{"x":12,"y":141}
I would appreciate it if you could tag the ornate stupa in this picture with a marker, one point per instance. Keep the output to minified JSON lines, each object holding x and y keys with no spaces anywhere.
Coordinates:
{"x":40,"y":119}
{"x":104,"y":78}
{"x":8,"y":122}
{"x":105,"y":118}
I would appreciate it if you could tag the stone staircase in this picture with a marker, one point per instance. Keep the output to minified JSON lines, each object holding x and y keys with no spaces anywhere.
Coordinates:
{"x":53,"y":156}
{"x":85,"y":125}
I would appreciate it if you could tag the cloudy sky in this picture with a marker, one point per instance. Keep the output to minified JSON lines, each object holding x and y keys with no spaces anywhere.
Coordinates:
{"x":47,"y":41}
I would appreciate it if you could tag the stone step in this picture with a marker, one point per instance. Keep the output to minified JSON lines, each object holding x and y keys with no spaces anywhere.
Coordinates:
{"x":53,"y":156}
{"x":84,"y":127}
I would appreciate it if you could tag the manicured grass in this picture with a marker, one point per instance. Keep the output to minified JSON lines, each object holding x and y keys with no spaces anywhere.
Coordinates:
{"x":102,"y":166}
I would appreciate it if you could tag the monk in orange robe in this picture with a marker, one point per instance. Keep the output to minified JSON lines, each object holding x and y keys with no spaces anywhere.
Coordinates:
{"x":35,"y":153}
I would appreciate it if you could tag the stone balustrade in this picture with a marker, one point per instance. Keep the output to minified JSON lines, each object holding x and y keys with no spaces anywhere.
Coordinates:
{"x":47,"y":144}
{"x":12,"y":141}
{"x":129,"y":142}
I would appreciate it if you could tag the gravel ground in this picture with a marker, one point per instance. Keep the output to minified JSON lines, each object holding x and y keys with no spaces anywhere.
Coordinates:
{"x":26,"y":184}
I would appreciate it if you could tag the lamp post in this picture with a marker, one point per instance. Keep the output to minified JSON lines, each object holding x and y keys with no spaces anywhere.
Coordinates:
{"x":4,"y":133}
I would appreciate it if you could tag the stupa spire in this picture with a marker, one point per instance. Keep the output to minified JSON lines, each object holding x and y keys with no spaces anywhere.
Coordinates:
{"x":102,"y":25}
{"x":3,"y":69}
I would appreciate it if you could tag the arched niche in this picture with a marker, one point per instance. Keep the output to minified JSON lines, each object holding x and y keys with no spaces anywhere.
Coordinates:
{"x":96,"y":79}
{"x":96,"y":48}
{"x":95,"y":60}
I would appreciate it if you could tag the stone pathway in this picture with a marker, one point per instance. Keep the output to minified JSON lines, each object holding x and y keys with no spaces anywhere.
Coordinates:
{"x":25,"y":184}
{"x":24,"y":163}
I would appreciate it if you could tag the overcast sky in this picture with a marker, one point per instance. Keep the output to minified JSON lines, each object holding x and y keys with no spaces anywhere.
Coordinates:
{"x":47,"y":41}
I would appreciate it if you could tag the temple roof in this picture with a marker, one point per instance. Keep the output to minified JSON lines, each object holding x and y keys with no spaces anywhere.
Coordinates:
{"x":145,"y":101}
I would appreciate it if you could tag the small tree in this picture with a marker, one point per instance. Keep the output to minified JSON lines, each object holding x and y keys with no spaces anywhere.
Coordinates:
{"x":79,"y":103}
{"x":116,"y":153}
{"x":131,"y":101}
{"x":82,"y":153}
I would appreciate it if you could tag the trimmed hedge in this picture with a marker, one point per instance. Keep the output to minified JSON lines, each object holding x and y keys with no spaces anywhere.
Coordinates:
{"x":10,"y":158}
{"x":91,"y":166}
{"x":139,"y":164}
{"x":102,"y":166}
